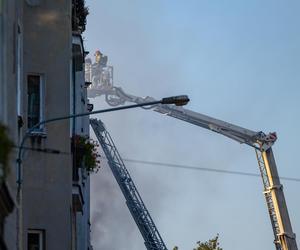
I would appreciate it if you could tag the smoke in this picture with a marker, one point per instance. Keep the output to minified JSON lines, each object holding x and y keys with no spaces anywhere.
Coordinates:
{"x":112,"y":224}
{"x":168,"y":194}
{"x":164,"y":49}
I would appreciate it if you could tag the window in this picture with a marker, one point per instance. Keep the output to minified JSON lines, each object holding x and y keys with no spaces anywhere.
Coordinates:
{"x":36,"y":240}
{"x":35,"y":109}
{"x":77,"y":57}
{"x":18,"y":61}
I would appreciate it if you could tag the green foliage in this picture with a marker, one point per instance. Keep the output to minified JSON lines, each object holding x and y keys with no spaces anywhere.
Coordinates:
{"x":5,"y":149}
{"x":85,"y":151}
{"x":212,"y":244}
{"x":80,"y":13}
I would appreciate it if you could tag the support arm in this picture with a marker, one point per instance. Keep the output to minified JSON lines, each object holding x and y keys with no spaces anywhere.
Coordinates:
{"x":273,"y":191}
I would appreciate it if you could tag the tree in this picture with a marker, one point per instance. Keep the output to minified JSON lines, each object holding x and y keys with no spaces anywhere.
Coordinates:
{"x":212,"y":244}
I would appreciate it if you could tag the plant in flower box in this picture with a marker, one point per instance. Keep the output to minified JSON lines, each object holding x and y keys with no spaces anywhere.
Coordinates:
{"x":85,"y":153}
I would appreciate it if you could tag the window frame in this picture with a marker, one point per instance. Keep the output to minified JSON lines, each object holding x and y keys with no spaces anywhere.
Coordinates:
{"x":41,"y":76}
{"x":19,"y":67}
{"x":42,"y":237}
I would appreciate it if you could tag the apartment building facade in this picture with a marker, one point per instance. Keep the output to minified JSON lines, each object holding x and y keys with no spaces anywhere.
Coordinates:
{"x":47,"y":178}
{"x":80,"y":128}
{"x":42,"y":77}
{"x":10,"y":62}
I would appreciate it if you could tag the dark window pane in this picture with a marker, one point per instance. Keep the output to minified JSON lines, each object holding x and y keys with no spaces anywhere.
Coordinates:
{"x":33,"y":92}
{"x":33,"y":241}
{"x":77,"y":57}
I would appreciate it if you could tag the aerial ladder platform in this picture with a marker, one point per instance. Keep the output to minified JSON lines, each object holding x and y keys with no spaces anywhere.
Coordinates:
{"x":136,"y":206}
{"x":284,"y":237}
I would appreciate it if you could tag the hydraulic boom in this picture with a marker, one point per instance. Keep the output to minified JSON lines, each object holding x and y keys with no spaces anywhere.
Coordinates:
{"x":285,"y":239}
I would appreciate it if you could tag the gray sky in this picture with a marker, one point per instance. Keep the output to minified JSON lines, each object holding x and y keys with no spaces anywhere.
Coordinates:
{"x":238,"y":61}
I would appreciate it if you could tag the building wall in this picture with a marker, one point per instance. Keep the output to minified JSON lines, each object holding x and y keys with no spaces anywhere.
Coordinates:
{"x":47,"y":178}
{"x":10,"y":66}
{"x":1,"y":58}
{"x":37,"y":39}
{"x":81,"y":127}
{"x":83,"y":219}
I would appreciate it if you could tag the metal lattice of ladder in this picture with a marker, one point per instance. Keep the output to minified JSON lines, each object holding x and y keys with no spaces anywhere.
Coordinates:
{"x":137,"y":208}
{"x":268,"y":197}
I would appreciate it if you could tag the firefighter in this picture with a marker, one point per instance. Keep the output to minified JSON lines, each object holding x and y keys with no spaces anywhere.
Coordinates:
{"x":97,"y":69}
{"x":100,"y":59}
{"x":98,"y":56}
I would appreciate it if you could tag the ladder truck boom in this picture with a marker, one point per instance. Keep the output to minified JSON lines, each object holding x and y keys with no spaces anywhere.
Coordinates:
{"x":273,"y":190}
{"x":115,"y":96}
{"x":284,"y":238}
{"x":262,"y":143}
{"x":136,"y":206}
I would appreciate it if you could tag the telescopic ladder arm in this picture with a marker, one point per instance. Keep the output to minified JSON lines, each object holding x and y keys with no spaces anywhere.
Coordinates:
{"x":115,"y":96}
{"x":137,"y":208}
{"x":285,"y":239}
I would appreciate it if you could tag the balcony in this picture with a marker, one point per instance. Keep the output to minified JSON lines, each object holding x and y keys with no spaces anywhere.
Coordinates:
{"x":77,"y":198}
